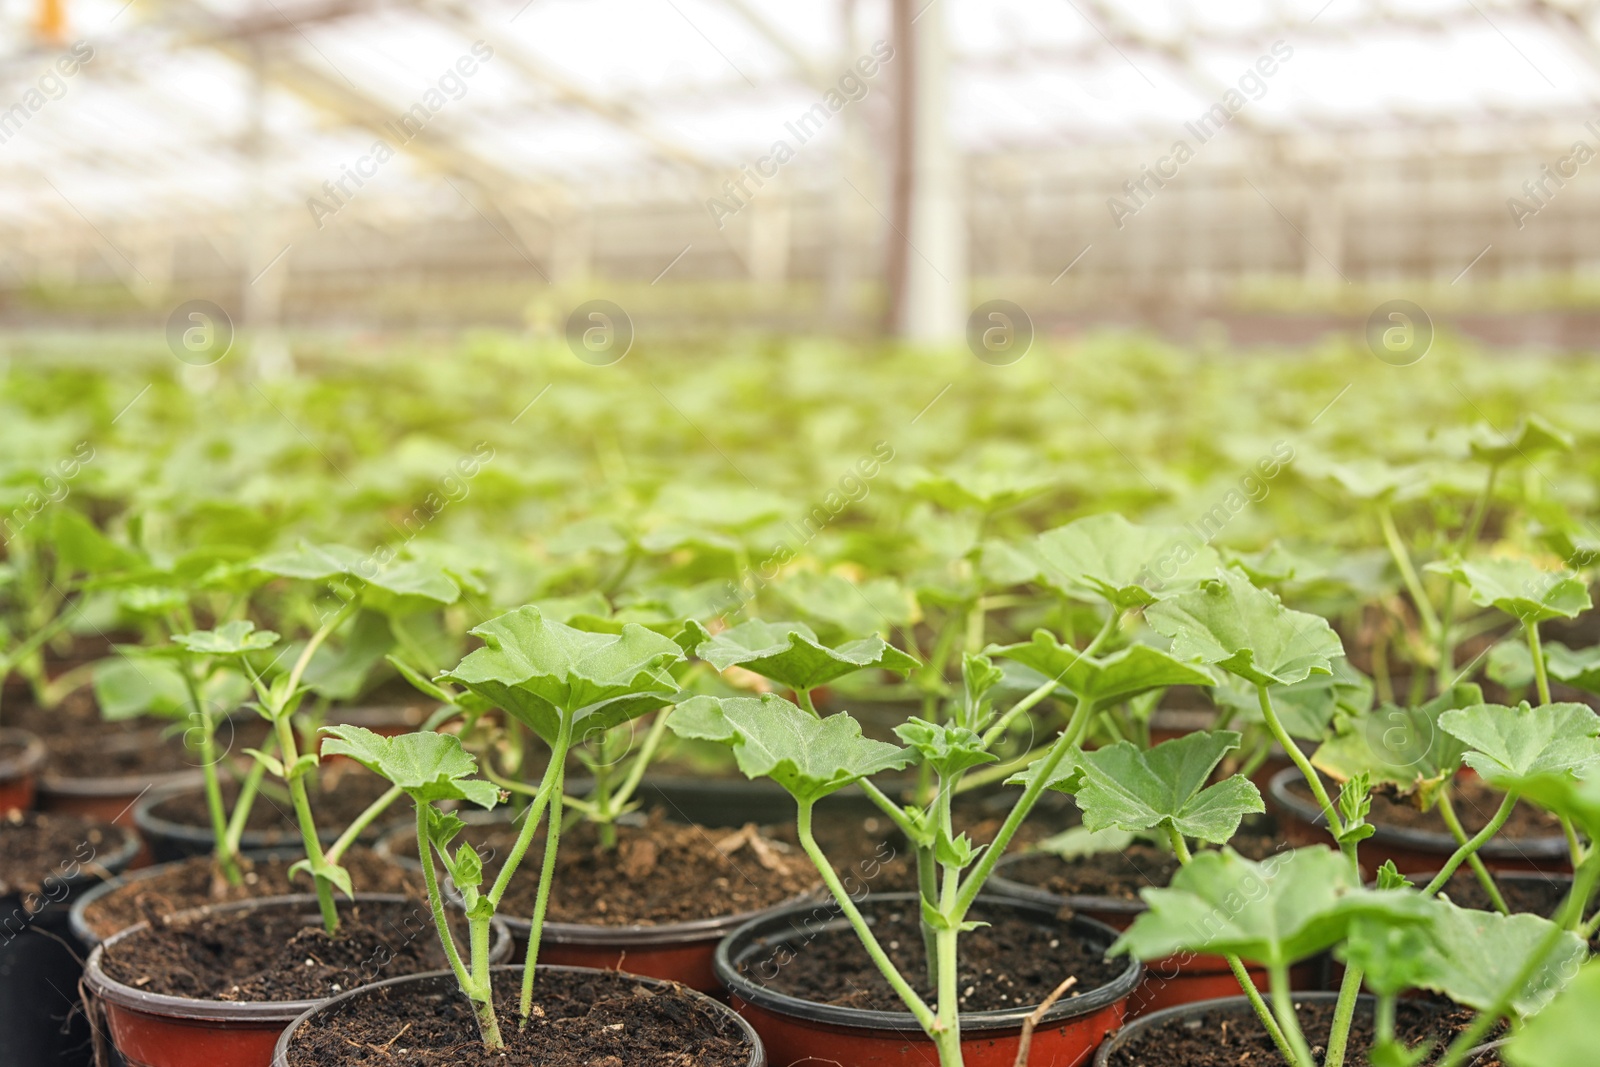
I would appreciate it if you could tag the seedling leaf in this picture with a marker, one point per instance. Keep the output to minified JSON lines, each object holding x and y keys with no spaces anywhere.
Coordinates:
{"x":1246,"y":631}
{"x":429,"y":766}
{"x":1129,"y":789}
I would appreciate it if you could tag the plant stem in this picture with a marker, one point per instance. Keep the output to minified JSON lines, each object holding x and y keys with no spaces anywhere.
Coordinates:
{"x":917,"y":1006}
{"x":482,"y":997}
{"x":1313,"y":779}
{"x":641,"y":760}
{"x":246,"y":801}
{"x":1574,"y":848}
{"x":1540,"y":676}
{"x":1408,"y":573}
{"x":1471,"y":847}
{"x":928,"y":886}
{"x":1447,"y":811}
{"x":998,"y":730}
{"x":1283,"y":1007}
{"x":362,"y":821}
{"x":1047,"y":766}
{"x":803,"y":698}
{"x":308,"y":825}
{"x":1344,"y":1012}
{"x":558,"y":762}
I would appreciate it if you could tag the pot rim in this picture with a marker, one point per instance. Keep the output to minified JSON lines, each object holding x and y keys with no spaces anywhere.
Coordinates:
{"x":975,"y":1022}
{"x":80,"y":928}
{"x":1546,"y":847}
{"x":151,"y":824}
{"x":1237,"y":1005}
{"x":28,"y":761}
{"x":758,"y":1052}
{"x":1003,"y":886}
{"x":102,"y":985}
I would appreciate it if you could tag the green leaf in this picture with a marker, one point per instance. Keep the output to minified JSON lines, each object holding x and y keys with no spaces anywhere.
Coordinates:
{"x":1129,"y":789}
{"x":1119,"y":676}
{"x":1576,"y":798}
{"x":131,"y":685}
{"x":1518,"y":588}
{"x":948,"y":749}
{"x":1562,"y":1035}
{"x":772,"y":738}
{"x":538,"y":669}
{"x":1107,"y":558}
{"x":1531,"y":436}
{"x":397,"y":580}
{"x":430,"y":767}
{"x":1079,"y":841}
{"x":230,"y":639}
{"x":1275,"y":913}
{"x":979,"y":677}
{"x":1246,"y":631}
{"x":1471,"y":957}
{"x":1402,"y":746}
{"x":874,"y":606}
{"x":790,"y":654}
{"x":1511,"y":664}
{"x":1307,"y":709}
{"x":1509,"y":744}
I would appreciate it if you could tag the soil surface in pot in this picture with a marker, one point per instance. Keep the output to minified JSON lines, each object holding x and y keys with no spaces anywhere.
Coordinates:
{"x":1120,"y":875}
{"x":343,"y":792}
{"x":271,"y":954}
{"x":83,"y":745}
{"x":599,"y":1019}
{"x":36,"y":848}
{"x":660,"y":873}
{"x":11,"y":751}
{"x":191,"y":884}
{"x":1237,"y":1040}
{"x":1010,"y":964}
{"x":1475,"y":804}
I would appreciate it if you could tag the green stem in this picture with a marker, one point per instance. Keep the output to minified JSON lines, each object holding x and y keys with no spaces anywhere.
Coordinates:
{"x":1540,"y":675}
{"x":928,"y":885}
{"x":362,"y":821}
{"x":1344,"y":1011}
{"x":999,"y":772}
{"x":1283,"y":1007}
{"x":642,"y":759}
{"x":1287,"y":743}
{"x":1408,"y":573}
{"x":1447,"y":811}
{"x":1068,"y":740}
{"x":917,"y":1006}
{"x":1471,"y":847}
{"x":997,"y":731}
{"x":225,"y":860}
{"x":558,"y":761}
{"x":481,"y":996}
{"x":1574,"y":847}
{"x":1385,"y":1019}
{"x":246,"y":800}
{"x":308,"y":826}
{"x":803,"y":698}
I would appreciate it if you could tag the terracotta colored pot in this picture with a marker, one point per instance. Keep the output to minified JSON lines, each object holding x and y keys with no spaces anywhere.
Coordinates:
{"x":112,"y":799}
{"x":41,"y":1019}
{"x":422,"y":987}
{"x":156,"y":1030}
{"x":19,"y":771}
{"x":1238,"y":1012}
{"x":1181,"y":979}
{"x":1413,"y":851}
{"x":798,"y":1031}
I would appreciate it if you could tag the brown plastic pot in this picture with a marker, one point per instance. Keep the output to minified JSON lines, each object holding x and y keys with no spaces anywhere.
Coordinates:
{"x":112,"y":799}
{"x":440,"y":984}
{"x":41,"y":1019}
{"x":156,"y":1030}
{"x":1181,"y":979}
{"x":21,"y":756}
{"x":799,"y":1031}
{"x":1238,"y":1012}
{"x":1413,"y":851}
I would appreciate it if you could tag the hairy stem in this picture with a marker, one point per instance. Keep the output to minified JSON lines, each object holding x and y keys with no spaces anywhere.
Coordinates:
{"x":1541,"y":676}
{"x":1471,"y":847}
{"x":1447,"y":811}
{"x":1283,"y":1007}
{"x":1344,"y":1012}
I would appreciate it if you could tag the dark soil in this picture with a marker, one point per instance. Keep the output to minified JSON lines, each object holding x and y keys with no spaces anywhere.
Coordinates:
{"x":1475,"y":804}
{"x":279,"y":954}
{"x":343,"y":792}
{"x":1236,"y":1039}
{"x":39,"y":851}
{"x":1010,"y":964}
{"x":1119,"y":875}
{"x":192,"y":883}
{"x":581,"y":1020}
{"x":660,"y":873}
{"x":83,"y":745}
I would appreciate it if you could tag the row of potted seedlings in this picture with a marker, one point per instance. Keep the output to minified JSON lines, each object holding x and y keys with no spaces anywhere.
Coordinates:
{"x":499,"y":944}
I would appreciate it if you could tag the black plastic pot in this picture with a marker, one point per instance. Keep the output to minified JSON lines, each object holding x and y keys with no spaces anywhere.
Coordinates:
{"x":440,"y":984}
{"x":801,"y":1031}
{"x":156,"y":1030}
{"x":1234,"y":1008}
{"x":41,"y":1018}
{"x":169,"y":840}
{"x":21,"y":756}
{"x":1413,"y":851}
